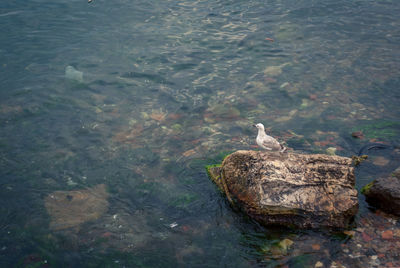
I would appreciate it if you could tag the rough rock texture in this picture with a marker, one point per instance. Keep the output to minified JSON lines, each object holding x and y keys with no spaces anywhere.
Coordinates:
{"x":384,"y":193}
{"x":290,"y":189}
{"x":69,"y":209}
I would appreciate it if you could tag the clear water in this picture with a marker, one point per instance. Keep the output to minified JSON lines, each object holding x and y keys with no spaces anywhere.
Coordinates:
{"x":169,"y":87}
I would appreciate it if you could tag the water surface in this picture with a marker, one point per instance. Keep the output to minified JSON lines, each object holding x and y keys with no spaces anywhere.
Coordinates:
{"x":169,"y":87}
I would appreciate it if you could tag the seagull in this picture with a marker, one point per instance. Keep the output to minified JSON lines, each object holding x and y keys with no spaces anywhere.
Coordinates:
{"x":267,"y":142}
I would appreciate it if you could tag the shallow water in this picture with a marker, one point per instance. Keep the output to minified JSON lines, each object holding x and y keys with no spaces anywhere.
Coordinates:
{"x":169,"y":87}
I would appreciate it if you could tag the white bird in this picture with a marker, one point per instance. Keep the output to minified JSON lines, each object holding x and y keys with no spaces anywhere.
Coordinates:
{"x":267,"y":142}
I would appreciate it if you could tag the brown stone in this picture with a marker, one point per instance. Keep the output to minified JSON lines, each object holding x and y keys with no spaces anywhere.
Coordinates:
{"x":396,"y":232}
{"x":388,"y":234}
{"x":349,"y":233}
{"x":69,"y":209}
{"x":366,"y":237}
{"x":289,"y":188}
{"x":315,"y":246}
{"x":357,"y":134}
{"x":384,"y":193}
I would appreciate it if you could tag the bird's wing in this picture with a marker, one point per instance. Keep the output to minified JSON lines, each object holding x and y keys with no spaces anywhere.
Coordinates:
{"x":270,"y":143}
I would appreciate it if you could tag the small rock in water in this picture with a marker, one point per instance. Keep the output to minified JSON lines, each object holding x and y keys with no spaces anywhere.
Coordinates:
{"x":284,"y":85}
{"x":366,"y":237}
{"x":318,"y":264}
{"x":315,"y":246}
{"x":70,"y":209}
{"x":380,"y":161}
{"x":396,"y":232}
{"x":73,"y":74}
{"x":388,"y":234}
{"x":384,"y":193}
{"x":331,"y":151}
{"x":285,"y":244}
{"x":273,"y":71}
{"x":357,"y":134}
{"x":349,"y":233}
{"x":304,"y":103}
{"x":396,"y":173}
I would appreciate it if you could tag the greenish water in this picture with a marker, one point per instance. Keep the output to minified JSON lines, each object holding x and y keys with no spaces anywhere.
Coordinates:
{"x":169,"y":87}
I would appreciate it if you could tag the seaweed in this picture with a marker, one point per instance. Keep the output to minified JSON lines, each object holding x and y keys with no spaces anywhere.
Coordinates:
{"x":209,"y":167}
{"x":366,"y":188}
{"x":383,"y":130}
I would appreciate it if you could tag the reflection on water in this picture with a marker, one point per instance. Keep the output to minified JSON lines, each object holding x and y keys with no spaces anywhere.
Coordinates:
{"x":163,"y":88}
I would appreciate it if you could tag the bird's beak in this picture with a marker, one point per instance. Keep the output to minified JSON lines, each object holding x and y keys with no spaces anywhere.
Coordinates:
{"x":254,"y":125}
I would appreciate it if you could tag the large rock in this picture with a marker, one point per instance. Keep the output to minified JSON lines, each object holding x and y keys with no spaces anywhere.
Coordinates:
{"x":384,"y":193}
{"x":290,"y":189}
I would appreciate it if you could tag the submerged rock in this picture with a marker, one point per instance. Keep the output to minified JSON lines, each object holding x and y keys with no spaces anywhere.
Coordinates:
{"x":273,"y":71}
{"x":219,"y":112}
{"x":69,"y":209}
{"x":384,"y":193}
{"x":307,"y":191}
{"x":73,"y":74}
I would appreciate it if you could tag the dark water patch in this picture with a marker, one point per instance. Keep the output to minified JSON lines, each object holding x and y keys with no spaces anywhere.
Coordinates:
{"x":184,"y":66}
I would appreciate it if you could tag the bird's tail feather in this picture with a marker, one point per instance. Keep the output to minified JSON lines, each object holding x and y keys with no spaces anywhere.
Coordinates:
{"x":283,"y":149}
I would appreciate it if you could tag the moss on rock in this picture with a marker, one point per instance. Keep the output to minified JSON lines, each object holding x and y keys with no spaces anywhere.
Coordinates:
{"x":214,"y":172}
{"x":366,"y":188}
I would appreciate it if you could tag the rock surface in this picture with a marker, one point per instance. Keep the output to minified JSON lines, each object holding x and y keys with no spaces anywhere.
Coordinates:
{"x":307,"y":191}
{"x":384,"y":193}
{"x":69,"y":209}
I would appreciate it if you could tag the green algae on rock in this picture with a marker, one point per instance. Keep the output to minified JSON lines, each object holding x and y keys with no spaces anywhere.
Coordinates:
{"x":366,"y":188}
{"x":359,"y":159}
